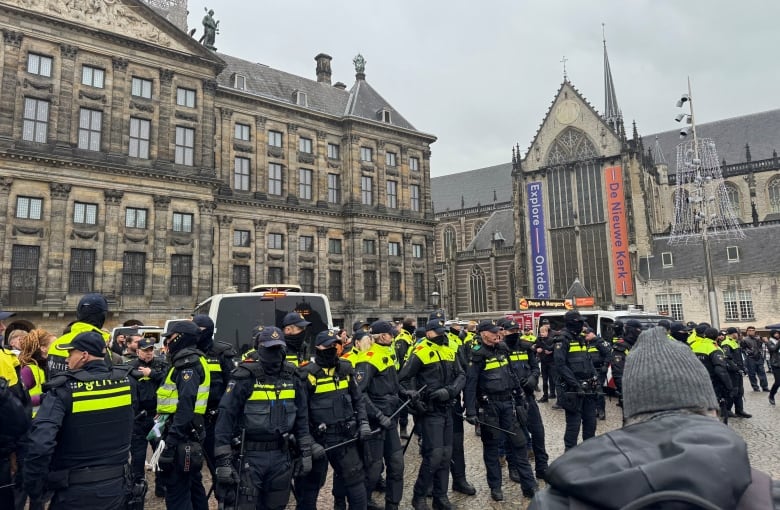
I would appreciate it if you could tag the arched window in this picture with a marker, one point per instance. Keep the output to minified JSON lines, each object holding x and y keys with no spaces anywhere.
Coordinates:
{"x":571,"y":145}
{"x":774,"y":194}
{"x":477,"y":227}
{"x":732,"y":194}
{"x":449,"y":242}
{"x":478,"y":290}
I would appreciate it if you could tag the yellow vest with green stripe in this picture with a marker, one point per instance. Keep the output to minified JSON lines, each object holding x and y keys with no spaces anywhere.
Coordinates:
{"x":330,"y":402}
{"x":40,"y":377}
{"x":381,"y":356}
{"x":270,"y":409}
{"x":168,"y":394}
{"x":8,"y":364}
{"x":98,"y":412}
{"x":495,"y":376}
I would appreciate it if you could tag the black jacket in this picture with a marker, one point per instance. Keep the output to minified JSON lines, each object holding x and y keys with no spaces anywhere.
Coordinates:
{"x":668,"y":452}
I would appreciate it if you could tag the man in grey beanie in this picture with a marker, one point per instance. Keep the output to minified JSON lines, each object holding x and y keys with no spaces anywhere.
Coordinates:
{"x":671,"y":449}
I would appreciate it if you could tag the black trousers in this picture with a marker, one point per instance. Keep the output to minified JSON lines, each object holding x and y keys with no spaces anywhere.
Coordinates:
{"x":548,"y":379}
{"x":269,"y":476}
{"x":347,"y":468}
{"x":436,"y":430}
{"x":384,"y":449}
{"x":737,"y":402}
{"x":535,"y":427}
{"x":580,"y":412}
{"x":776,"y":385}
{"x":108,"y":494}
{"x":502,"y":414}
{"x":458,"y":457}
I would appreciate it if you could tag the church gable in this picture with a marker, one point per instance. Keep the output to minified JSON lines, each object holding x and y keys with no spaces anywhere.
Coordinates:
{"x":129,"y":18}
{"x":571,"y":131}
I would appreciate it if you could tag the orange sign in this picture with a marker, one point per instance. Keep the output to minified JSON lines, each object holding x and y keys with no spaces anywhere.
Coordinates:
{"x":618,"y":230}
{"x":585,"y":301}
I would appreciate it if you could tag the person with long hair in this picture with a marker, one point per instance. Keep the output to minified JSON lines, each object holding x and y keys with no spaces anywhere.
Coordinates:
{"x":32,"y":357}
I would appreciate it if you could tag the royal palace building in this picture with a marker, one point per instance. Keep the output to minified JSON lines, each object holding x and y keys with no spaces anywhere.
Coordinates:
{"x":586,"y":211}
{"x":138,"y":163}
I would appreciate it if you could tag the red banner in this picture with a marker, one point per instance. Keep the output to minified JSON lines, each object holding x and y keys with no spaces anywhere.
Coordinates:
{"x":618,"y":230}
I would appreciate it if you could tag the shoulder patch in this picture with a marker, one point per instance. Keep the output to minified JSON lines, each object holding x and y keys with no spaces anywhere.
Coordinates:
{"x":558,"y":345}
{"x":360,"y":375}
{"x":230,"y":386}
{"x":186,"y":374}
{"x":477,"y":347}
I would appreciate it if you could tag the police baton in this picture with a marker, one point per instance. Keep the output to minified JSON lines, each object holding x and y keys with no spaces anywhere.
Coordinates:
{"x":408,"y":401}
{"x":350,"y":441}
{"x":505,"y":431}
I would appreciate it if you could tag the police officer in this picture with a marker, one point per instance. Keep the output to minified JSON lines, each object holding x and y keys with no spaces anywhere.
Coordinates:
{"x":679,"y":331}
{"x":337,"y":415}
{"x":14,"y":425}
{"x":80,"y":439}
{"x":219,"y":358}
{"x":706,"y":349}
{"x":493,"y":390}
{"x":377,"y":378}
{"x":294,"y":328}
{"x":736,"y":367}
{"x":620,"y":349}
{"x":522,"y":360}
{"x":266,"y":401}
{"x":90,"y":316}
{"x":578,"y":382}
{"x":600,"y":354}
{"x":434,"y":364}
{"x":149,"y":372}
{"x":183,"y":398}
{"x":404,"y":341}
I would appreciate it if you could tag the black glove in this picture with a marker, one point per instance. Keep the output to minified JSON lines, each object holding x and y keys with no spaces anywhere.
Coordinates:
{"x":440,"y":395}
{"x":412,"y":395}
{"x":471,"y":418}
{"x":305,"y":468}
{"x":364,"y":431}
{"x":317,"y":451}
{"x":167,"y":457}
{"x":385,"y":422}
{"x":227,"y":475}
{"x":580,"y":391}
{"x":530,"y":383}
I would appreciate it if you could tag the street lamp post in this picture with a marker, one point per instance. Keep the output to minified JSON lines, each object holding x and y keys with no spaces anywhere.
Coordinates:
{"x":435,"y":299}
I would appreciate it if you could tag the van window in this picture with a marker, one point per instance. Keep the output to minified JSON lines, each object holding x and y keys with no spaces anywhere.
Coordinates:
{"x":237,"y":315}
{"x":607,"y":328}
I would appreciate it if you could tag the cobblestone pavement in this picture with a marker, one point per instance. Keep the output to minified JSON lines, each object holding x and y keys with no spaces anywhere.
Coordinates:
{"x":762,"y":433}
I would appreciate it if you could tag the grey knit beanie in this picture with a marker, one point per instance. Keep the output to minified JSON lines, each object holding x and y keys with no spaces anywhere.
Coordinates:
{"x":662,"y":375}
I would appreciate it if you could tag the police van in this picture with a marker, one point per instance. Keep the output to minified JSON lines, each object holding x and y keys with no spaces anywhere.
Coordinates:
{"x":236,"y":314}
{"x":602,"y":321}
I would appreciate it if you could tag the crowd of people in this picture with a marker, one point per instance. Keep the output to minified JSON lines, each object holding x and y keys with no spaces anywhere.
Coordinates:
{"x":81,"y":411}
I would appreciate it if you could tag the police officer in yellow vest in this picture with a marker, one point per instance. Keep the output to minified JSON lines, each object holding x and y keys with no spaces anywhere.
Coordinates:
{"x":90,"y":316}
{"x":267,"y":402}
{"x":296,"y":337}
{"x":337,"y":414}
{"x":706,"y":349}
{"x":183,"y":397}
{"x":736,"y":367}
{"x":620,"y":349}
{"x":80,"y":439}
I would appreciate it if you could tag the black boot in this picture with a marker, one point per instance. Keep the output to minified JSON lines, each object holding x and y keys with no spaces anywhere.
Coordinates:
{"x":391,"y":506}
{"x":381,"y":485}
{"x":463,"y":486}
{"x":497,"y":494}
{"x":544,"y":399}
{"x":419,"y":503}
{"x":442,"y":503}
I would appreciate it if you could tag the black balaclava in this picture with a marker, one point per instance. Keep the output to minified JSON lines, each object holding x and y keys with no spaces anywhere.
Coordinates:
{"x":631,"y":330}
{"x":512,"y":340}
{"x":294,"y":342}
{"x":271,"y":358}
{"x":206,"y":340}
{"x":440,"y":339}
{"x":409,"y":328}
{"x":326,"y":358}
{"x":573,"y":322}
{"x":182,"y":341}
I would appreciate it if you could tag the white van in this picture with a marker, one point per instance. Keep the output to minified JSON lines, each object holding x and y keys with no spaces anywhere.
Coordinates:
{"x":235,"y":315}
{"x":602,"y":321}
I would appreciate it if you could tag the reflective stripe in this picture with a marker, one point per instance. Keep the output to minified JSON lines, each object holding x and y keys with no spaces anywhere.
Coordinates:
{"x":269,"y":393}
{"x":577,"y":348}
{"x":292,"y":358}
{"x":95,"y":400}
{"x":40,"y":377}
{"x":494,"y":363}
{"x":168,"y":395}
{"x":516,"y":356}
{"x":214,"y":365}
{"x":327,"y":384}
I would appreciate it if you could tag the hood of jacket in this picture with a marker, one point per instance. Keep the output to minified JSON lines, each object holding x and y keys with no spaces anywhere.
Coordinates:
{"x":668,"y":452}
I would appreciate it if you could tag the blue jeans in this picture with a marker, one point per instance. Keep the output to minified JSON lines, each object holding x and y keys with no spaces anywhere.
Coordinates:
{"x":755,"y":368}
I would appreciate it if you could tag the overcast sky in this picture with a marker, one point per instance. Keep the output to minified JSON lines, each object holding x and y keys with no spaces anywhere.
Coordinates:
{"x":481,"y":75}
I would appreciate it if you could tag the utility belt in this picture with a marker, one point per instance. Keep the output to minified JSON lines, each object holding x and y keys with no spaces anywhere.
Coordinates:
{"x":67,"y":477}
{"x":211,"y":413}
{"x":265,"y":446}
{"x":502,"y":396}
{"x":345,"y":428}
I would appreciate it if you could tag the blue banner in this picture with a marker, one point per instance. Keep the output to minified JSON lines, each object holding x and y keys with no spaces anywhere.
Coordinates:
{"x":539,"y":275}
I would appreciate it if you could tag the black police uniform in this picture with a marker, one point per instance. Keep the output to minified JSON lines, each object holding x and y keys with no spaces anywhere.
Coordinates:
{"x":337,"y":414}
{"x":736,"y":367}
{"x":578,"y":382}
{"x":522,"y":360}
{"x":183,"y":397}
{"x":377,"y":378}
{"x":80,"y":438}
{"x":600,"y":354}
{"x":620,"y":349}
{"x":493,"y":391}
{"x":706,"y":349}
{"x":13,"y":426}
{"x":547,"y":362}
{"x":434,"y":364}
{"x":268,"y":404}
{"x":403,"y":343}
{"x":145,"y":409}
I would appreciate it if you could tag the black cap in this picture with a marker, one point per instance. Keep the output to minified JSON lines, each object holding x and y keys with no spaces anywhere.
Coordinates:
{"x":438,"y":314}
{"x":488,"y":325}
{"x":572,"y":315}
{"x":436,"y":325}
{"x":701,"y":329}
{"x":146,"y":343}
{"x":666,"y":324}
{"x":203,"y":321}
{"x":419,"y":332}
{"x":90,"y":342}
{"x":632,"y":323}
{"x":710,"y":333}
{"x":382,"y":327}
{"x":268,"y":336}
{"x":360,"y":334}
{"x":731,"y":330}
{"x":92,"y":303}
{"x":588,"y":330}
{"x":183,"y":328}
{"x":677,"y":327}
{"x":545,"y":321}
{"x":358,"y":324}
{"x":507,"y":324}
{"x":326,"y":338}
{"x":295,"y":319}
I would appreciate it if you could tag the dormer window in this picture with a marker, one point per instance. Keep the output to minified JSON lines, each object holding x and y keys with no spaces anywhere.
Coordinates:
{"x":666,"y":259}
{"x":239,"y":82}
{"x":300,"y":98}
{"x":732,"y":253}
{"x":384,"y":115}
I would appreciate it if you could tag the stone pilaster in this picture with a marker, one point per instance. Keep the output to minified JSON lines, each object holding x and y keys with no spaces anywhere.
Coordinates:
{"x":259,"y":240}
{"x":166,"y":131}
{"x":205,"y":243}
{"x":64,"y":110}
{"x":207,"y":125}
{"x":383,"y":271}
{"x":6,"y":183}
{"x":407,"y":283}
{"x":160,"y":262}
{"x":112,"y":259}
{"x":12,"y":42}
{"x":292,"y":251}
{"x":224,"y":264}
{"x":53,"y":253}
{"x":119,"y":123}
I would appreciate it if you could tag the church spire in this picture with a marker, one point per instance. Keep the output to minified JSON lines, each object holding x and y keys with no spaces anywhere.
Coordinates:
{"x":612,"y":112}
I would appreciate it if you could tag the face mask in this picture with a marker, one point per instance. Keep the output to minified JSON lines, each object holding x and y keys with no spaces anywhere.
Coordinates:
{"x":440,"y":340}
{"x":295,"y":341}
{"x":512,"y":339}
{"x":326,"y":358}
{"x":271,"y":358}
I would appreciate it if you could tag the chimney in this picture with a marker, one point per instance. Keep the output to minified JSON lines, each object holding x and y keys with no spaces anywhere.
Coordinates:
{"x":323,"y":68}
{"x":340,"y":85}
